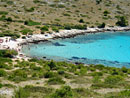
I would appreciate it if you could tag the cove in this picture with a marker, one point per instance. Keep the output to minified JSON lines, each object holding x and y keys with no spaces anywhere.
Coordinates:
{"x":107,"y":48}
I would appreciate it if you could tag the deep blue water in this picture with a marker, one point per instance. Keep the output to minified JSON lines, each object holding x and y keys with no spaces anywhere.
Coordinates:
{"x":110,"y":49}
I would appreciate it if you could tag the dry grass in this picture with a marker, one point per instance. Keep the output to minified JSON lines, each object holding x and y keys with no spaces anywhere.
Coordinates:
{"x":50,"y":12}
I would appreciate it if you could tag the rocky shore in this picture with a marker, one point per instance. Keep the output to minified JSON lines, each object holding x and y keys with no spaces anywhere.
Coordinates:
{"x":35,"y":38}
{"x":69,"y":33}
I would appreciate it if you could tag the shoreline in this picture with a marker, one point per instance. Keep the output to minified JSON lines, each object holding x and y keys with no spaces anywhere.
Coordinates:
{"x":36,"y":38}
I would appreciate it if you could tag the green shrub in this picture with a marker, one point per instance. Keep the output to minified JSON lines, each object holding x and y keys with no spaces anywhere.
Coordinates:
{"x":124,"y":69}
{"x":68,"y":27}
{"x":3,"y":65}
{"x":97,"y":74}
{"x":18,"y":75}
{"x":84,"y":93}
{"x":66,"y":14}
{"x":50,"y":74}
{"x":122,"y":22}
{"x":61,"y":6}
{"x":106,"y":13}
{"x":98,"y":1}
{"x":1,"y":85}
{"x":64,"y":92}
{"x":81,"y":21}
{"x":44,"y":28}
{"x":102,"y":25}
{"x":21,"y":93}
{"x":55,"y":80}
{"x":30,"y":9}
{"x":73,"y":68}
{"x":2,"y":73}
{"x":96,"y":79}
{"x":109,"y":82}
{"x":10,"y":2}
{"x":83,"y":70}
{"x":68,"y":76}
{"x":33,"y":60}
{"x":77,"y":73}
{"x":52,"y":5}
{"x":23,"y":37}
{"x":80,"y":27}
{"x":3,"y":18}
{"x":102,"y":85}
{"x":125,"y":93}
{"x":4,"y":60}
{"x":3,"y":13}
{"x":36,"y":1}
{"x":35,"y":89}
{"x":52,"y":65}
{"x":26,"y":31}
{"x":8,"y":53}
{"x":118,"y":7}
{"x":121,"y":94}
{"x":55,"y":29}
{"x":61,"y":72}
{"x":10,"y":34}
{"x":99,"y":66}
{"x":31,"y":23}
{"x":9,"y":19}
{"x":113,"y":79}
{"x":92,"y":69}
{"x":116,"y":72}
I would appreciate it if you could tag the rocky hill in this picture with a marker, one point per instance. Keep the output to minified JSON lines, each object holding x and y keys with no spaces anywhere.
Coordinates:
{"x":30,"y":15}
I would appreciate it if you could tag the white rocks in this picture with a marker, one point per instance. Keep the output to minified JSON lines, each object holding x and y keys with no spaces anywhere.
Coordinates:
{"x":6,"y":91}
{"x":61,"y":34}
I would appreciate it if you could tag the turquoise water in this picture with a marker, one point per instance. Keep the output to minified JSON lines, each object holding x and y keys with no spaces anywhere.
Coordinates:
{"x":110,"y":49}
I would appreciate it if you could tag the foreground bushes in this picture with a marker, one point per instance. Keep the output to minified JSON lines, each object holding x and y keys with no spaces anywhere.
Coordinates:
{"x":113,"y":79}
{"x":59,"y":74}
{"x":21,"y":93}
{"x":8,"y":53}
{"x":55,"y":80}
{"x":18,"y":75}
{"x":44,"y":92}
{"x":121,"y":94}
{"x":50,"y":74}
{"x":109,"y":82}
{"x":64,"y":92}
{"x":2,"y":73}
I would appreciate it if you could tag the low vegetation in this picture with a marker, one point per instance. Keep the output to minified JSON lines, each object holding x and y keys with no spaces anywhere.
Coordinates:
{"x":50,"y":79}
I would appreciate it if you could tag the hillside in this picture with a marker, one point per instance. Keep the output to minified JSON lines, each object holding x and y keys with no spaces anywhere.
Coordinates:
{"x":48,"y":79}
{"x":37,"y":13}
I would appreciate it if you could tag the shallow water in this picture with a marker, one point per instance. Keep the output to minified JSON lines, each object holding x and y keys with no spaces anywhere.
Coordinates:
{"x":110,"y":49}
